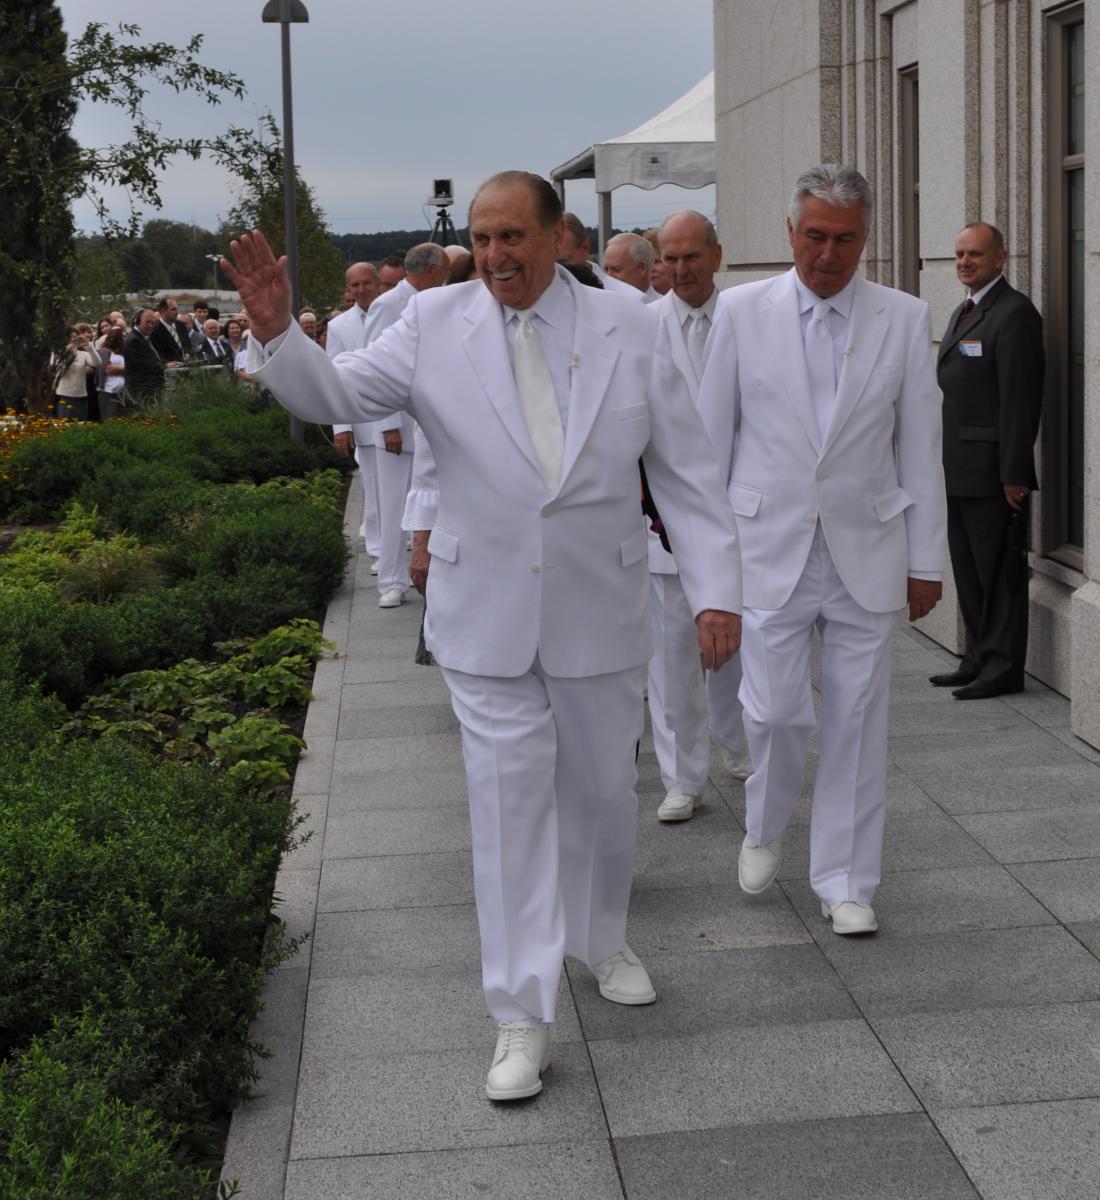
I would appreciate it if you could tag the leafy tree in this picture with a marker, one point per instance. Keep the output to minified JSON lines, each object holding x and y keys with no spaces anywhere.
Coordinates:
{"x":181,"y":251}
{"x":258,"y":163}
{"x":42,"y":81}
{"x":99,"y":279}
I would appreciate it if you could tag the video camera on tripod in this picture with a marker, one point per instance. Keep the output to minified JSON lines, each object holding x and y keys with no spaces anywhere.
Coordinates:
{"x":442,"y":197}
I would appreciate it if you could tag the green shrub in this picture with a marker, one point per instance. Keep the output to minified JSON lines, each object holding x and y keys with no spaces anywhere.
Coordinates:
{"x":66,"y":1137}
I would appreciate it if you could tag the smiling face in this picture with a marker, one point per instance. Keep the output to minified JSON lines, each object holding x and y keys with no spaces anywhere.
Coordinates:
{"x":978,"y":261}
{"x":827,"y":244}
{"x":514,"y":252}
{"x":362,"y":283}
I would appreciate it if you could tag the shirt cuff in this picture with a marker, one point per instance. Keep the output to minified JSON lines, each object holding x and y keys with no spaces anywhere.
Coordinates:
{"x":420,"y":511}
{"x":927,"y":576}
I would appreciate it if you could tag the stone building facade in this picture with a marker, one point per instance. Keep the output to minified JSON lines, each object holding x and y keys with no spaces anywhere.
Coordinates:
{"x":956,"y":111}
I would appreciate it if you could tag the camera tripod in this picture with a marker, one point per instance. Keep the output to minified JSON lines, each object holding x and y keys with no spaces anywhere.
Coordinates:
{"x":445,"y":227}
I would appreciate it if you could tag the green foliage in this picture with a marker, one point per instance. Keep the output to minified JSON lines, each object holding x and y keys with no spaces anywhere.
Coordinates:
{"x":258,"y":163}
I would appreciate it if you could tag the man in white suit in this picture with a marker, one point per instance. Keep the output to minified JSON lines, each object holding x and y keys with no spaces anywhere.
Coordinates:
{"x":537,"y":396}
{"x":680,"y":692}
{"x":820,"y":396}
{"x":425,"y":267}
{"x":628,"y":258}
{"x":576,"y":247}
{"x":347,"y":331}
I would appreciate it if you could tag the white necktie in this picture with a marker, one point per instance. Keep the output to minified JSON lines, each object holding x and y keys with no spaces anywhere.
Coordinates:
{"x":697,"y":330}
{"x":821,"y":365}
{"x":538,"y":400}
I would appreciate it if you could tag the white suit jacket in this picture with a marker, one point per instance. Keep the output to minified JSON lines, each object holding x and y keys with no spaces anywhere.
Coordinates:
{"x":875,"y":482}
{"x":517,"y":571}
{"x":346,"y":331}
{"x":384,"y":312}
{"x":671,"y":342}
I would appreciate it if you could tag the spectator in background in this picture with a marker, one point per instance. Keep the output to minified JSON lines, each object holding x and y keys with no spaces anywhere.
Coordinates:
{"x":75,"y":365}
{"x":628,"y":257}
{"x":144,"y":367}
{"x":169,"y":338}
{"x":114,"y":373}
{"x":658,"y":280}
{"x":103,"y":326}
{"x":308,"y":322}
{"x":194,"y":338}
{"x":462,"y":269}
{"x":215,"y":348}
{"x":391,"y":270}
{"x":202,"y":314}
{"x":233,"y":332}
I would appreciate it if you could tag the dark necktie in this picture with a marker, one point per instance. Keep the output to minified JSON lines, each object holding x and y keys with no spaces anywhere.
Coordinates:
{"x":964,"y":312}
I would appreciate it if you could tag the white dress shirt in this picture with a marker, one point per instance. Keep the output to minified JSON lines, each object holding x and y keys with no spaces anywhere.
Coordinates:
{"x":554,"y":320}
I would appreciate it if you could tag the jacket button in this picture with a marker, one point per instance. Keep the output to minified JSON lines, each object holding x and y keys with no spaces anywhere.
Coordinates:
{"x":536,"y":568}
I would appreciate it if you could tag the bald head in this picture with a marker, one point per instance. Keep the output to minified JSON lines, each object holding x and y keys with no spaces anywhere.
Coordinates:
{"x":362,"y":284}
{"x":629,"y":257}
{"x":691,"y":256}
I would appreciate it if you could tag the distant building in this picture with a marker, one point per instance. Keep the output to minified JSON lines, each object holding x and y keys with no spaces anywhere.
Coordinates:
{"x":955,"y":110}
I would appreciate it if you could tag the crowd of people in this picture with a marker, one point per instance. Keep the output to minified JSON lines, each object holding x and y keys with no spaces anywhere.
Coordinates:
{"x":517,"y":410}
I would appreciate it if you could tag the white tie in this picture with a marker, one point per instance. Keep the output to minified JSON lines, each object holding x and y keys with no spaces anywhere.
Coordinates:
{"x":821,"y":365}
{"x":538,"y":400}
{"x":698,"y":328}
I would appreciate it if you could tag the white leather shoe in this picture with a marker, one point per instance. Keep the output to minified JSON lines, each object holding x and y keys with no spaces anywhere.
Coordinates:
{"x":623,"y":979}
{"x":522,"y":1054}
{"x":850,"y":916}
{"x":739,"y":765}
{"x":757,"y":866}
{"x":392,"y":598}
{"x":678,"y":805}
{"x":374,"y":566}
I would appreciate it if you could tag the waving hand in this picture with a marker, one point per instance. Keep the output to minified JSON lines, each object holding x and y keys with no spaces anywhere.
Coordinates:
{"x":262,"y":281}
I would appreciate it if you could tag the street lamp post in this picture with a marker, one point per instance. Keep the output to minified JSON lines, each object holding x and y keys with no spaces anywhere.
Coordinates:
{"x":287,"y":13}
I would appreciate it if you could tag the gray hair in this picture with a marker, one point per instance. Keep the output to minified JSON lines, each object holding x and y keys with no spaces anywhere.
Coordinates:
{"x":426,"y":255}
{"x":640,"y":250}
{"x":708,"y":225}
{"x":835,"y":184}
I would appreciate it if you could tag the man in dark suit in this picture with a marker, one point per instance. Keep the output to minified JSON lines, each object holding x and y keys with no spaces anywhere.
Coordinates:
{"x":990,"y":371}
{"x":144,"y":369}
{"x":170,"y":338}
{"x":214,"y":348}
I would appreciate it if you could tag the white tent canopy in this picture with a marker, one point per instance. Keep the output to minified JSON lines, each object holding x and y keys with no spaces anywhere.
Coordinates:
{"x":676,"y":146}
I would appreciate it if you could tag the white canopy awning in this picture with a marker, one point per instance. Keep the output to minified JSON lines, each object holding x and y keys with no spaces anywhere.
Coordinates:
{"x":676,"y":146}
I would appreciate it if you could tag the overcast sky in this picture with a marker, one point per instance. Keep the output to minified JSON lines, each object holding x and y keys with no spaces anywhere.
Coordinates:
{"x":390,"y":94}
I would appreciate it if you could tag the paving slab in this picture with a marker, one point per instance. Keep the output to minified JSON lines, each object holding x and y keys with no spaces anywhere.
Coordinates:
{"x":947,"y":900}
{"x":997,"y":1055}
{"x":398,"y":831}
{"x":559,"y":1171}
{"x":1070,"y":890}
{"x":888,"y":1157}
{"x":396,"y":788}
{"x":1015,"y":837}
{"x":1028,"y":1151}
{"x":388,"y":940}
{"x":725,"y":989}
{"x":401,"y":721}
{"x":746,"y":1077}
{"x":984,"y":969}
{"x":371,"y":1104}
{"x":396,"y":881}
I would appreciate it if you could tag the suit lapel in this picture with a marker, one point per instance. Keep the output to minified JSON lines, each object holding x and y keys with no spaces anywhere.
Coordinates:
{"x":867,"y":327}
{"x":783,"y":330}
{"x":954,"y":336}
{"x":594,"y":359}
{"x":681,"y":357}
{"x":487,"y":350}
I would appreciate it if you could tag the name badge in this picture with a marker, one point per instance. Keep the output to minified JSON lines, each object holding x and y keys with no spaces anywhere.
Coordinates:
{"x":972,"y":349}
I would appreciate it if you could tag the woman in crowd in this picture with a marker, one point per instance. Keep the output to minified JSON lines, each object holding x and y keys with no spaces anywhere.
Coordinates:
{"x":74,"y":366}
{"x":233,"y":332}
{"x":114,"y":373}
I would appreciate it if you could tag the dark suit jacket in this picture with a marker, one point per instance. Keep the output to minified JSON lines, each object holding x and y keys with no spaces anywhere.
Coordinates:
{"x":144,"y":368}
{"x":206,"y":354}
{"x":166,"y":347}
{"x":992,"y":401}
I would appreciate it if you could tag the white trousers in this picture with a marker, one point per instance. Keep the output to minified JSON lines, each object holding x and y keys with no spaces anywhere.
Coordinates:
{"x":553,"y":814}
{"x":849,"y":796}
{"x":368,"y":478}
{"x":392,"y":473}
{"x":682,"y":696}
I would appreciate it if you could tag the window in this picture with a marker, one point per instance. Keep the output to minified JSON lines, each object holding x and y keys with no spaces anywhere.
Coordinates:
{"x":909,"y":179}
{"x":1064,"y":443}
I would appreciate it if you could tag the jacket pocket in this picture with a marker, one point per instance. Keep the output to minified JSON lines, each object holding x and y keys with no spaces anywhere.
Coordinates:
{"x":890,"y":504}
{"x":979,"y":433}
{"x":745,"y":500}
{"x":635,"y":548}
{"x":442,"y":543}
{"x":631,"y":412}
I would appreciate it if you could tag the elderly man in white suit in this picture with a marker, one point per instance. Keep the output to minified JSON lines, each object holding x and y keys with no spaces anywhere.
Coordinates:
{"x":347,"y":331}
{"x":628,"y":258}
{"x":537,"y":396}
{"x":425,"y":267}
{"x":680,"y":692}
{"x":820,"y":396}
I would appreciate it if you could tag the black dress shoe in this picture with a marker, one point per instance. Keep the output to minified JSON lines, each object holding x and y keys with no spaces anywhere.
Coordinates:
{"x":951,"y":679}
{"x":978,"y":690}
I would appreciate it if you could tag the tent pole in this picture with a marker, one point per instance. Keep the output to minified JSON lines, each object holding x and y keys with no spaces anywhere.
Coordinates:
{"x":605,"y":220}
{"x":559,"y":187}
